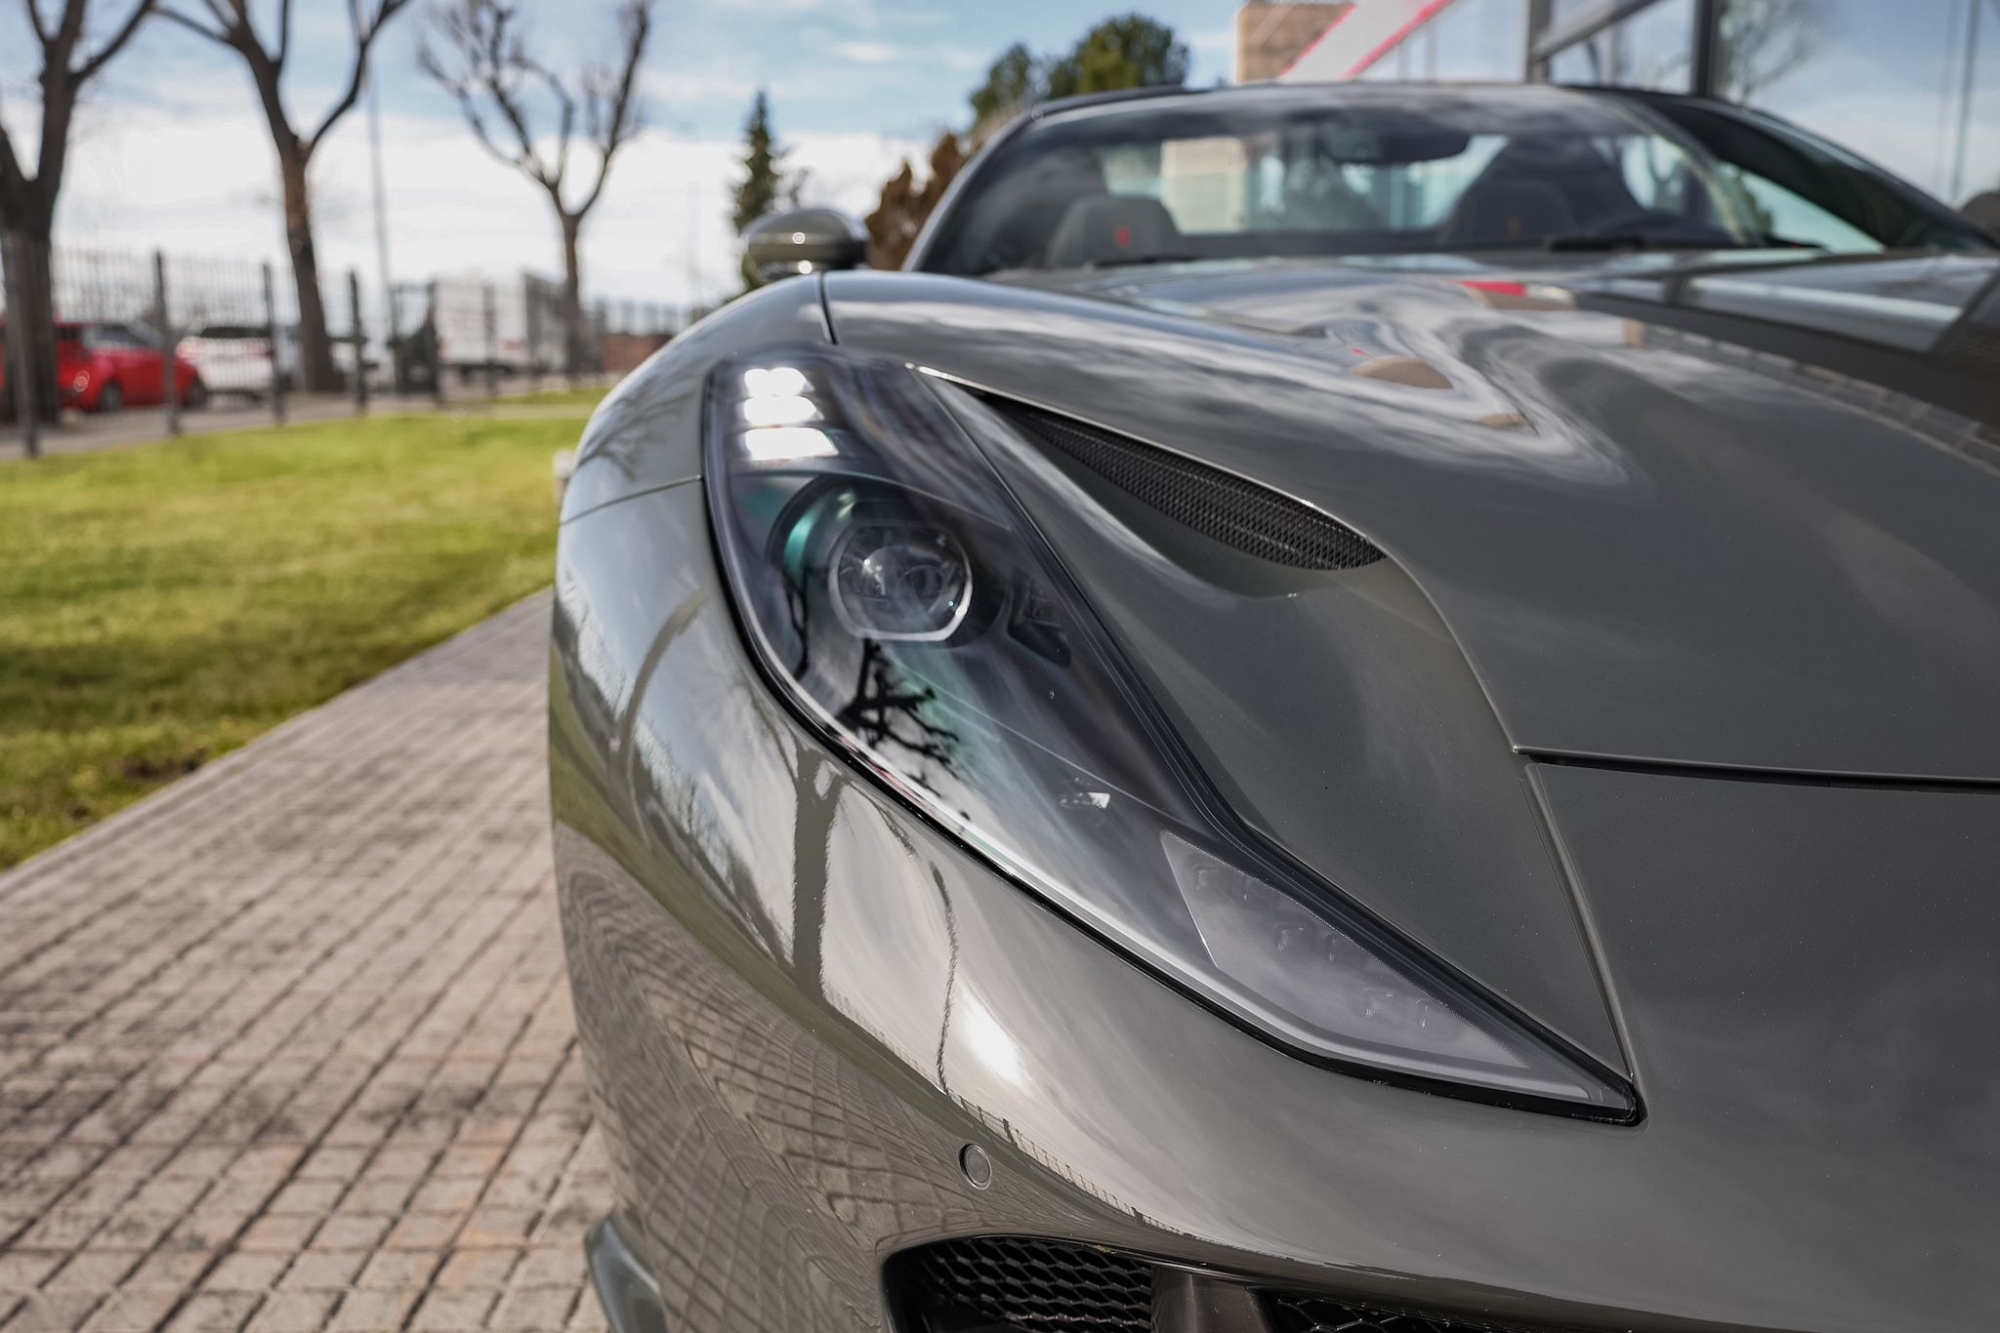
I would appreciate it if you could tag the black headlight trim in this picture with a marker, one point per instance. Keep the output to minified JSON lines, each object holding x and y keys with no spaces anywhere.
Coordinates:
{"x":1221,"y":505}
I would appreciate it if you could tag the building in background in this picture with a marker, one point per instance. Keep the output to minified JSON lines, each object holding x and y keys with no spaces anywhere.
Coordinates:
{"x":1270,"y":37}
{"x":1913,"y":86}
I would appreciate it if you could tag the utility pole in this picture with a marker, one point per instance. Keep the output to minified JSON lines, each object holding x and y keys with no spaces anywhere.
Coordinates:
{"x":693,"y":250}
{"x":381,"y":211}
{"x":690,"y":184}
{"x":170,"y":359}
{"x":1965,"y":93}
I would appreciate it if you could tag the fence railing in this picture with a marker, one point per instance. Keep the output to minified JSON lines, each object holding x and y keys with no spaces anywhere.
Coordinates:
{"x":177,"y":333}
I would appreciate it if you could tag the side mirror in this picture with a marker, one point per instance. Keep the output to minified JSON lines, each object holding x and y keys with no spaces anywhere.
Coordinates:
{"x":805,"y":240}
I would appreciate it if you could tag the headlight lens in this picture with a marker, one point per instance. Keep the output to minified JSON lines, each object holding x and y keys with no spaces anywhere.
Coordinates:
{"x":896,"y":594}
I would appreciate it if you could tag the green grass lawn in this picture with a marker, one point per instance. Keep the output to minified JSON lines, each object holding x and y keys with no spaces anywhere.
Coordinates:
{"x":161,"y":606}
{"x":581,"y":399}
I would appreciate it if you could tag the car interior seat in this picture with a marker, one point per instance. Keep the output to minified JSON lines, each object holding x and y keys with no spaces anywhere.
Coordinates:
{"x":1106,"y":228}
{"x":1504,"y":210}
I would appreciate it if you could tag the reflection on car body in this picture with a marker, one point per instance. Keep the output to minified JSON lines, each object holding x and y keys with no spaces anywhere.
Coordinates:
{"x":1376,"y":701}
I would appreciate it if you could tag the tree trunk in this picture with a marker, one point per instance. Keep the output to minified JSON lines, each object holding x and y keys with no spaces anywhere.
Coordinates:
{"x":316,"y":366}
{"x":572,"y":311}
{"x":31,"y":319}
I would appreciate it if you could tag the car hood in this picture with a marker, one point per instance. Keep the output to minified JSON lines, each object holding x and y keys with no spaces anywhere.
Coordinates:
{"x":1719,"y":511}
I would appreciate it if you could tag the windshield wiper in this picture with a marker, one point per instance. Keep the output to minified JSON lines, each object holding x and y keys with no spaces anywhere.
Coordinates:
{"x":1634,"y":241}
{"x":1134,"y":261}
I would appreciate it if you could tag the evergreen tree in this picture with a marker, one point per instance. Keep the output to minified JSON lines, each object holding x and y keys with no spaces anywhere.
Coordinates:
{"x":763,"y":183}
{"x":1131,"y":51}
{"x":1013,"y":84}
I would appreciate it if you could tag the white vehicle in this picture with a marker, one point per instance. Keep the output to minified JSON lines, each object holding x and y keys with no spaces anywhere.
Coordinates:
{"x":236,"y":358}
{"x":527,"y":331}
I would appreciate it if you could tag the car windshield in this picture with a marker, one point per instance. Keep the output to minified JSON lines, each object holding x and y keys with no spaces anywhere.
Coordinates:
{"x":1280,"y":172}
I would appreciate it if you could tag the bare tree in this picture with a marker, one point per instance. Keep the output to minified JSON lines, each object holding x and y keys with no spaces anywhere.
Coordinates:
{"x":228,"y":23}
{"x":70,"y":59}
{"x":1763,"y":41}
{"x":477,"y":51}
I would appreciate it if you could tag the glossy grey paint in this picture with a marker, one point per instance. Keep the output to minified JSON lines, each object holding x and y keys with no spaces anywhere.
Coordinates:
{"x":1397,"y":784}
{"x":647,"y":432}
{"x":798,"y":1002}
{"x":1650,"y":544}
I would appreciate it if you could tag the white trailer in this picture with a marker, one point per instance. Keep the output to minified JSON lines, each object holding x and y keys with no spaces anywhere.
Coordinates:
{"x":527,"y":332}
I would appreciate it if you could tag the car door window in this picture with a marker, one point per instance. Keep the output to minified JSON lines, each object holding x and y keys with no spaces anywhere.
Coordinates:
{"x":1785,"y":216}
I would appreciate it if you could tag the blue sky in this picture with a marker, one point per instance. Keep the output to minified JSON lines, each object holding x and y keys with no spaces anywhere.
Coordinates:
{"x":899,"y":67}
{"x":170,"y":148}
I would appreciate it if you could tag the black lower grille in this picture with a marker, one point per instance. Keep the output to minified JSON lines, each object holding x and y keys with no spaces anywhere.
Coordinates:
{"x":1026,"y":1285}
{"x":1295,"y":1313}
{"x":1035,"y":1286}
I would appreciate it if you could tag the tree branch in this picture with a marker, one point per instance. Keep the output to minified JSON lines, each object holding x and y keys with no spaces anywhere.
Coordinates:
{"x":364,"y":38}
{"x":12,"y":178}
{"x":117,"y":42}
{"x":220,"y":36}
{"x":479,"y":56}
{"x":635,"y":22}
{"x":42,"y":35}
{"x":484,"y":61}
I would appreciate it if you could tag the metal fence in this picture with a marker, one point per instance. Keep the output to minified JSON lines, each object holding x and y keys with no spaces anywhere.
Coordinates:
{"x":187,"y":335}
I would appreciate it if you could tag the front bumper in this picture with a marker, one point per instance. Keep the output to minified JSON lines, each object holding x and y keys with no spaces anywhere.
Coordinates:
{"x":626,"y":1291}
{"x":800,"y":1004}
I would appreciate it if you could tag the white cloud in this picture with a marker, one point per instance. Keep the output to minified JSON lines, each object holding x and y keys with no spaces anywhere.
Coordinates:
{"x":868,"y":53}
{"x":1212,"y":42}
{"x":959,"y":58}
{"x":861,"y":12}
{"x":662,"y":221}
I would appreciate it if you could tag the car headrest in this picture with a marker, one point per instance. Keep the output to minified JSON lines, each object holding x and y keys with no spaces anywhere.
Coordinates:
{"x":1109,"y":227}
{"x":1984,"y":209}
{"x":1495,"y":212}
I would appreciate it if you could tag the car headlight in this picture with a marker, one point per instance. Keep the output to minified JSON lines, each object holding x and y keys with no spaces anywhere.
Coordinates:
{"x":896,"y":594}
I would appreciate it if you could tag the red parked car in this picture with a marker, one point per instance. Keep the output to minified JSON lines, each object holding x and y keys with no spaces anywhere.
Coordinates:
{"x":102,"y":367}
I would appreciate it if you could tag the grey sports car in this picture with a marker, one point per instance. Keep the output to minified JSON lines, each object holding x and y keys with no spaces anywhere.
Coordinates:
{"x":1368,"y":708}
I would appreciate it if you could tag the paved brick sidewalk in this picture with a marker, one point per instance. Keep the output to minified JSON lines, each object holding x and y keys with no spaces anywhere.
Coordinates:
{"x":289,"y":1046}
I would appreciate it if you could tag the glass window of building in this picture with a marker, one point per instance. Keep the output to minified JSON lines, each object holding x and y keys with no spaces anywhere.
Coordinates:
{"x":1652,"y":49}
{"x":1915,"y":86}
{"x":1472,"y":41}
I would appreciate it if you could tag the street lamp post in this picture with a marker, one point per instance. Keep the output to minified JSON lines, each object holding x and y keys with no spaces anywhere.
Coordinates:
{"x":691,"y":247}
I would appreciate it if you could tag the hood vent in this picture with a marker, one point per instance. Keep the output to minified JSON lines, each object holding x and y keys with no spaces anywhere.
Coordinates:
{"x":1220,"y":505}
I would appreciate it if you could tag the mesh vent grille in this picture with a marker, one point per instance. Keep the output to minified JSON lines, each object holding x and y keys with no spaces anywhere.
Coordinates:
{"x":1027,"y":1285}
{"x":1233,"y":511}
{"x":1034,"y":1286}
{"x":1296,"y":1312}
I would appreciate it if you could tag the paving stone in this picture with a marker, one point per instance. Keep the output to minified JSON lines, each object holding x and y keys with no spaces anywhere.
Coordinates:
{"x":454,"y":1309}
{"x":133,"y":1309}
{"x":287,"y":1046}
{"x":535,"y":1309}
{"x":247,"y":1270}
{"x":215,"y":1312}
{"x":372,"y":1311}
